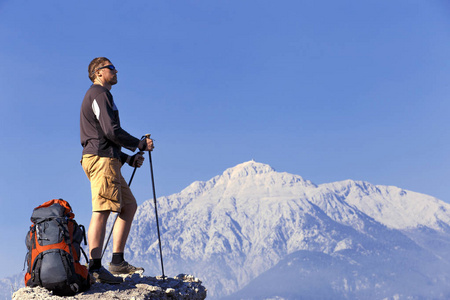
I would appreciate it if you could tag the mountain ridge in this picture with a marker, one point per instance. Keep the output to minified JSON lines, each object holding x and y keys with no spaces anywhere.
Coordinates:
{"x":237,"y":225}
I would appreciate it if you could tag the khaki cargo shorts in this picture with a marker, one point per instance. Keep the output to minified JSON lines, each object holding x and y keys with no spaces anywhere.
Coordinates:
{"x":109,"y":189}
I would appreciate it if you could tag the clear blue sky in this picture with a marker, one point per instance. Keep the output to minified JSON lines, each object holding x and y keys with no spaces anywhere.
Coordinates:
{"x":329,"y":90}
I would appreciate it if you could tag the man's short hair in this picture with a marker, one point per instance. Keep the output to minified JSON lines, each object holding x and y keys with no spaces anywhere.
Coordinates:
{"x":94,"y":65}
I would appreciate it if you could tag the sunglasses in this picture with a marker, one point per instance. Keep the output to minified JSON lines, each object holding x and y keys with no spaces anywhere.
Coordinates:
{"x":111,"y":67}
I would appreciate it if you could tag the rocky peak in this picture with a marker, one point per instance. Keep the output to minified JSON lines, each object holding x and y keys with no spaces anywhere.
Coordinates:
{"x":135,"y":287}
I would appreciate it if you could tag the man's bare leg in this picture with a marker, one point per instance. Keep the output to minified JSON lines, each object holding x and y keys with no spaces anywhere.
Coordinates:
{"x":96,"y":233}
{"x":120,"y":234}
{"x":96,"y":236}
{"x":122,"y":227}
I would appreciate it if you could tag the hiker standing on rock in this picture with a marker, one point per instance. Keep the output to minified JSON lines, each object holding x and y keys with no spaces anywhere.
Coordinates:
{"x":102,"y":138}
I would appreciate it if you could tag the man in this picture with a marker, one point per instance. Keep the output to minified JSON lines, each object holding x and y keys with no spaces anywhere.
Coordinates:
{"x":102,"y":138}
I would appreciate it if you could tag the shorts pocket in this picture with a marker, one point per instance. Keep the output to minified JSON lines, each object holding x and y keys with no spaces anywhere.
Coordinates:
{"x":110,"y":188}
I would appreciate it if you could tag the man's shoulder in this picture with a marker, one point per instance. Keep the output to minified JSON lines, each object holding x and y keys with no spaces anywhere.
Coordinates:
{"x":98,"y":87}
{"x":96,"y":90}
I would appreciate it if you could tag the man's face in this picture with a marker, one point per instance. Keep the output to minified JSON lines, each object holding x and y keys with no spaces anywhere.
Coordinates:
{"x":108,"y":73}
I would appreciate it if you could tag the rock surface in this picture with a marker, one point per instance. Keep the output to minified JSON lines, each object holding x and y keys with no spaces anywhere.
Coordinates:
{"x":134,"y":287}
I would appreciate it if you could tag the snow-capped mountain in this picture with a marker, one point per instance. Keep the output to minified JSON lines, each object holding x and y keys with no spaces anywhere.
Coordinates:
{"x":259,"y":234}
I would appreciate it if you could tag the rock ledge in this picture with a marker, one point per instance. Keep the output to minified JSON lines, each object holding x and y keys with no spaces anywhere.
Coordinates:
{"x":134,"y":287}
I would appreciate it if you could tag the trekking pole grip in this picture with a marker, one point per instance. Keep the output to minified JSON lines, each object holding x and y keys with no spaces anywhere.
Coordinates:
{"x":146,"y":136}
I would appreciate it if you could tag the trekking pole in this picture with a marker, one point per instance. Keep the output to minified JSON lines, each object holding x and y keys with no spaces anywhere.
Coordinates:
{"x":156,"y":209}
{"x":117,"y":215}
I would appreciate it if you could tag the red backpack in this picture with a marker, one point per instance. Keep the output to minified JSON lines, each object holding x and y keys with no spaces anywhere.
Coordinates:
{"x":54,"y":244}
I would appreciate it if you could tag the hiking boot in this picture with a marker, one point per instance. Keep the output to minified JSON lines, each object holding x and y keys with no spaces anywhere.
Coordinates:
{"x":124,"y":268}
{"x":104,"y":276}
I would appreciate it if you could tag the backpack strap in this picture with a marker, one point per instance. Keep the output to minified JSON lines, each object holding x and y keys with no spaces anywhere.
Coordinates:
{"x":85,"y":243}
{"x":84,"y":254}
{"x":84,"y":232}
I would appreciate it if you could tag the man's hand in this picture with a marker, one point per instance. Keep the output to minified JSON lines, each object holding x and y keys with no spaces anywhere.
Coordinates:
{"x":146,"y":144}
{"x":136,"y":160}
